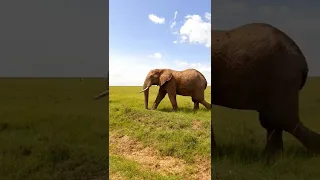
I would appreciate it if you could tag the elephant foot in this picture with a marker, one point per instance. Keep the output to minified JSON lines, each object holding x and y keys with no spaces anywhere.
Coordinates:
{"x":272,"y":151}
{"x":209,"y":106}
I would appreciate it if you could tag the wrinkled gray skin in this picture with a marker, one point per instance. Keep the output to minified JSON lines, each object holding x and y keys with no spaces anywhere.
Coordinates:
{"x":258,"y":67}
{"x":189,"y":82}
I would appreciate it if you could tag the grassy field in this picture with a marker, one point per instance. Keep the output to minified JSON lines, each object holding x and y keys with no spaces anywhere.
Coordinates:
{"x":241,"y":138}
{"x":157,"y":144}
{"x":52,"y":129}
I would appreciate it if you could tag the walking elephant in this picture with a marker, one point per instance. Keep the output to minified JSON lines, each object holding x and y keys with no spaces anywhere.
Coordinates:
{"x":258,"y":67}
{"x":189,"y":82}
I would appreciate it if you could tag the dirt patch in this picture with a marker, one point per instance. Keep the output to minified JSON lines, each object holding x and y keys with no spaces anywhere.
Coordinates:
{"x":150,"y":158}
{"x":203,"y":169}
{"x":196,"y":124}
{"x":116,"y":176}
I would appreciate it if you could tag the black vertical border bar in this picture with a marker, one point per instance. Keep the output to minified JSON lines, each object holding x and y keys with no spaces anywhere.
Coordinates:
{"x":212,"y":155}
{"x":108,"y":80}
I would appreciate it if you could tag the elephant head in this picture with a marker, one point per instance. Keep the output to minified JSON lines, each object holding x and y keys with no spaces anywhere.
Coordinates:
{"x":155,"y":77}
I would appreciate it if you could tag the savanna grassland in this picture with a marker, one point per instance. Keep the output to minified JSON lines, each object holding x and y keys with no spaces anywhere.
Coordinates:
{"x":241,"y":138}
{"x":52,"y":129}
{"x":157,"y":144}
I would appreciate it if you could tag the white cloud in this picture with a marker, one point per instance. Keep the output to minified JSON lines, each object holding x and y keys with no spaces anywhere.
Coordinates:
{"x":156,"y":19}
{"x":155,"y":56}
{"x":196,"y":30}
{"x":204,"y":68}
{"x":174,"y":23}
{"x":207,"y":16}
{"x":175,"y":15}
{"x":131,"y":70}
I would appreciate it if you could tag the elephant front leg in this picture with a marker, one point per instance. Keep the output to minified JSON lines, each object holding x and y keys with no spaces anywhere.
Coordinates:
{"x":172,"y":96}
{"x":160,"y":96}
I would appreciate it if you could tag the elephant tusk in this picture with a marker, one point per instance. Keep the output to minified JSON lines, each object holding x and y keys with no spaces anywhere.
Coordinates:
{"x":144,"y":89}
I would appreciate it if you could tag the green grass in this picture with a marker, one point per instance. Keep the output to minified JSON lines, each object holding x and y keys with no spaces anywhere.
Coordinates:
{"x":52,"y":129}
{"x":132,"y":170}
{"x":171,"y":133}
{"x":241,"y":139}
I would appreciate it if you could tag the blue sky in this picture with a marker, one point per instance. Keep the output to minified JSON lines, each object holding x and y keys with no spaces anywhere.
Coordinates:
{"x":148,"y":34}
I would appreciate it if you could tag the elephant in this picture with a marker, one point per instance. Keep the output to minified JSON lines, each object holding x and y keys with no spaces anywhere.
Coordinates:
{"x":189,"y":82}
{"x":258,"y":67}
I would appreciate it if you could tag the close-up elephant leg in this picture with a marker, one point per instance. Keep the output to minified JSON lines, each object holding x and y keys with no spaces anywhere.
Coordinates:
{"x":160,"y":96}
{"x":196,"y":104}
{"x":274,"y":142}
{"x":206,"y":104}
{"x":173,"y":100}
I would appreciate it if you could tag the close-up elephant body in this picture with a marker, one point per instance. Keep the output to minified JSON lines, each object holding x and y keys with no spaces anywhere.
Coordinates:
{"x":189,"y":82}
{"x":258,"y":67}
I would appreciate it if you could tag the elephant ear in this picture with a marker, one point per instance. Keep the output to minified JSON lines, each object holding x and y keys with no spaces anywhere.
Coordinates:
{"x":164,"y":77}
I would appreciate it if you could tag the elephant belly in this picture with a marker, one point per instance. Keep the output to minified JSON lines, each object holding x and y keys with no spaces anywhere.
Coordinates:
{"x":236,"y":98}
{"x":183,"y":92}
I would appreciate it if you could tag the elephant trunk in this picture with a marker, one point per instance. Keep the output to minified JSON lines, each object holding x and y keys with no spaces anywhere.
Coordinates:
{"x":146,"y":87}
{"x":309,"y":138}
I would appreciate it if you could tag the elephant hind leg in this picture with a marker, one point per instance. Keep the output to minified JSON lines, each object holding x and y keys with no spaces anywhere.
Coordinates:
{"x":196,"y":104}
{"x":281,"y":112}
{"x":206,"y":104}
{"x":199,"y":97}
{"x":274,"y":142}
{"x":291,"y":122}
